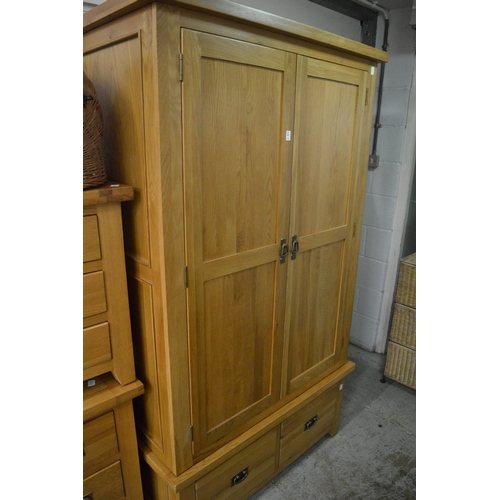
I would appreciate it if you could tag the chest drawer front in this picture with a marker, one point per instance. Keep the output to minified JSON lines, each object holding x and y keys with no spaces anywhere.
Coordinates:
{"x":96,"y":345}
{"x":91,"y":246}
{"x":94,"y":295}
{"x":242,"y":474}
{"x":106,"y":484}
{"x":99,"y":441}
{"x":300,"y":431}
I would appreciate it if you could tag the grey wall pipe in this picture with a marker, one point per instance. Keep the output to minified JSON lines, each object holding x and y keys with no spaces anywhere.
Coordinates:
{"x":373,"y":163}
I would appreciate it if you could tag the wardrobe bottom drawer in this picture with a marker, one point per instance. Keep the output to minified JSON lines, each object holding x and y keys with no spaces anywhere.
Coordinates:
{"x":308,"y":425}
{"x":243,"y":474}
{"x":107,"y":484}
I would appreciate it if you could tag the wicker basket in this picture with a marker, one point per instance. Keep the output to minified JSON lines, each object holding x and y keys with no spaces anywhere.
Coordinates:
{"x":401,"y":364}
{"x":94,"y":162}
{"x":406,"y":291}
{"x":404,"y":327}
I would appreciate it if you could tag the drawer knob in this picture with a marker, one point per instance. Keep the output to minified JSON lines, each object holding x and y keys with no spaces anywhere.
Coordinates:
{"x":238,"y":478}
{"x":310,"y":423}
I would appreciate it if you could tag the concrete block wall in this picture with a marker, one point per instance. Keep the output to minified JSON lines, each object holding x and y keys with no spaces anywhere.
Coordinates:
{"x":386,"y":191}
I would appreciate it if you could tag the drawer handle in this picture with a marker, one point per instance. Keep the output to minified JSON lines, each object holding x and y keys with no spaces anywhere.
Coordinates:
{"x":310,"y":423}
{"x":238,"y":478}
{"x":88,"y":496}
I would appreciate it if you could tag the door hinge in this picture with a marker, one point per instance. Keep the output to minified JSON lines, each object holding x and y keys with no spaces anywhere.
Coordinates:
{"x":354,"y":230}
{"x":192,"y":434}
{"x":366,"y":97}
{"x":186,"y":282}
{"x":181,"y":67}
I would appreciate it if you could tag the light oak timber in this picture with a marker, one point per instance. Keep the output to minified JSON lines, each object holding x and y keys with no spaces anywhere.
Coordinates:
{"x":170,"y":280}
{"x":91,"y":249}
{"x":155,"y":488}
{"x":195,"y":340}
{"x":186,"y":494}
{"x":105,"y":297}
{"x":356,"y":208}
{"x":94,"y":371}
{"x":181,"y":481}
{"x":111,"y":459}
{"x":125,"y":426}
{"x":107,"y":394}
{"x":109,"y":192}
{"x":99,"y":437}
{"x":230,"y":227}
{"x":157,"y":230}
{"x":107,"y":483}
{"x":95,"y":319}
{"x":94,"y":295}
{"x":96,"y":345}
{"x":258,"y":36}
{"x":259,"y":461}
{"x":330,"y":105}
{"x":114,"y":8}
{"x":295,"y":439}
{"x":336,"y":419}
{"x":90,"y":267}
{"x":115,"y":278}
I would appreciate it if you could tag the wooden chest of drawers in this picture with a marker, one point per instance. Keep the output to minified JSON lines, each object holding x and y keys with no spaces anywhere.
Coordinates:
{"x":110,"y":454}
{"x":107,"y":340}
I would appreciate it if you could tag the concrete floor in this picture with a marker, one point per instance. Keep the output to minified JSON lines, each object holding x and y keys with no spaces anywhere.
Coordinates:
{"x":373,"y":455}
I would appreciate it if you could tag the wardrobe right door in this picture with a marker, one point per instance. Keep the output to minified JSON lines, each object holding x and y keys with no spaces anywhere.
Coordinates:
{"x":330,"y":108}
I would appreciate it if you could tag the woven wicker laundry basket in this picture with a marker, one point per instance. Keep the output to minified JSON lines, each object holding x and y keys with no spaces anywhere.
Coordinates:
{"x":94,"y":160}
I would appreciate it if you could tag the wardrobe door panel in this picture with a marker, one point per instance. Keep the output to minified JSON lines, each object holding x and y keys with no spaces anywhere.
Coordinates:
{"x":237,"y":102}
{"x":238,"y":323}
{"x":329,"y":108}
{"x":317,"y":277}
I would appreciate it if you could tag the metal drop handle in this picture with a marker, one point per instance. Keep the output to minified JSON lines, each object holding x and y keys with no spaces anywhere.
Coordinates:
{"x":238,"y":478}
{"x":295,"y":246}
{"x":88,"y":496}
{"x":310,"y":423}
{"x":283,"y":250}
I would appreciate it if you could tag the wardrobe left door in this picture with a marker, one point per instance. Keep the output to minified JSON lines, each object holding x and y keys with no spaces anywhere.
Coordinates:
{"x":237,"y":101}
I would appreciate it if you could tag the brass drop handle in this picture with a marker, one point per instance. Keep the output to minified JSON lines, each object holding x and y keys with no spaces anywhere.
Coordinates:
{"x":283,"y":250}
{"x":238,"y":478}
{"x":295,"y":246}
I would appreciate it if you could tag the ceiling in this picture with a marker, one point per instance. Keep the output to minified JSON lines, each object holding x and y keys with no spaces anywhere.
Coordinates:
{"x":395,"y":4}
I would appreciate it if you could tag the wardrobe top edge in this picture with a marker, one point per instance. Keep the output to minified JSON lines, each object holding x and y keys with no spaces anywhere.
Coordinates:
{"x":113,"y":9}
